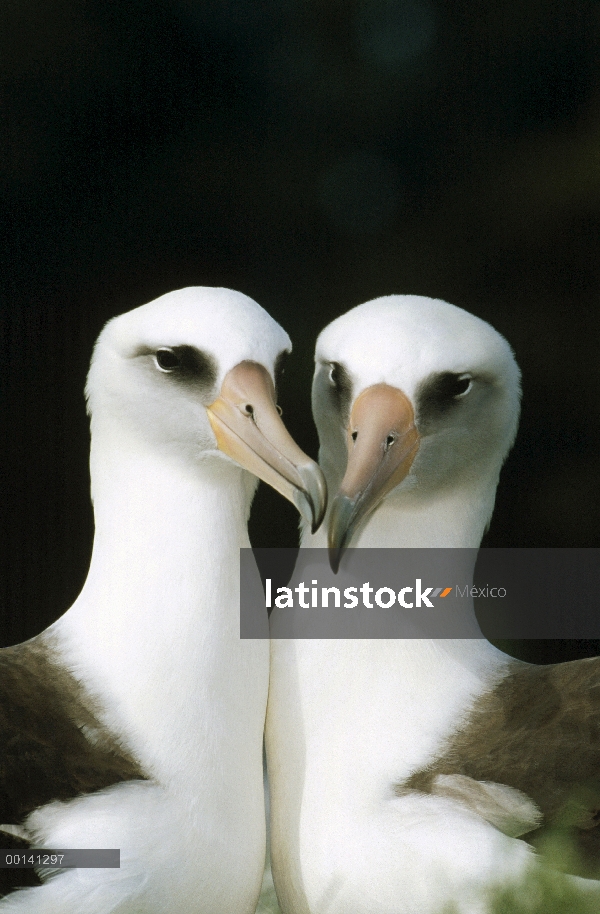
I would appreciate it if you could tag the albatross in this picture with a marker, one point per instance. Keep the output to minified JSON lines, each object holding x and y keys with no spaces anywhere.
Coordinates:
{"x":404,"y":774}
{"x":136,"y":720}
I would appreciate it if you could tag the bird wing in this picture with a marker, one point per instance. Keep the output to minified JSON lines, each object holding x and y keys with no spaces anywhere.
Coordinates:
{"x":52,"y":743}
{"x":52,"y":746}
{"x":536,"y":731}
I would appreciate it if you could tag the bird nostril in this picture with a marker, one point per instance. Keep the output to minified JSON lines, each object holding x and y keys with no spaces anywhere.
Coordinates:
{"x":389,"y":441}
{"x":279,"y":409}
{"x":354,"y":436}
{"x":249,"y":410}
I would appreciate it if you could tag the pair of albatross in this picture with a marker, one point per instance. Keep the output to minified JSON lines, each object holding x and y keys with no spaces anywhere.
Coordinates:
{"x":403,"y":772}
{"x":136,"y":720}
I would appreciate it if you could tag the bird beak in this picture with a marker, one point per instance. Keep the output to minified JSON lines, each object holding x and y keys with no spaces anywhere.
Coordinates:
{"x":248,"y":428}
{"x":382,"y":442}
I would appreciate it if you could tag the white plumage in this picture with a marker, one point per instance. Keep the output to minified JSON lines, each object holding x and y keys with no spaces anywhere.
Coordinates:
{"x":388,"y":794}
{"x":158,"y":703}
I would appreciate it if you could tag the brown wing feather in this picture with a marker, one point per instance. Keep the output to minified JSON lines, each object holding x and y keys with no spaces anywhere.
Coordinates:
{"x":537,"y":730}
{"x":45,"y":753}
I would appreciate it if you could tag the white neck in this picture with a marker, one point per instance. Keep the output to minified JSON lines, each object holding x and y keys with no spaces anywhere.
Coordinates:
{"x":155,"y":631}
{"x":454,"y":519}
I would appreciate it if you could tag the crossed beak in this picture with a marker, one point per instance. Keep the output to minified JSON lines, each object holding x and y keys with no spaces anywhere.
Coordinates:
{"x":248,"y":428}
{"x":382,"y":443}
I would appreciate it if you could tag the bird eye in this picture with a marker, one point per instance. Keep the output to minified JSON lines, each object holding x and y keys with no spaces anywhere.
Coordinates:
{"x":167,"y":360}
{"x":462,"y":385}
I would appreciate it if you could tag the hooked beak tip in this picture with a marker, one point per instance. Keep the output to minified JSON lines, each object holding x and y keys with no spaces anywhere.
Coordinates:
{"x":311,"y":499}
{"x":335,"y":557}
{"x":341,"y":525}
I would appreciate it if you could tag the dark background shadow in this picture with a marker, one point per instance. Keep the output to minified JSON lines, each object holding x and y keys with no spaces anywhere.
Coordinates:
{"x":313,"y":155}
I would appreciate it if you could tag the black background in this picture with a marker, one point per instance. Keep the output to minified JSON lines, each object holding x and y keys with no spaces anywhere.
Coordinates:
{"x":312,"y":154}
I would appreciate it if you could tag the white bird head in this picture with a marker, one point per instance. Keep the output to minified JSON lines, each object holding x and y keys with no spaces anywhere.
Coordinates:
{"x":413,"y":398}
{"x":193,"y":374}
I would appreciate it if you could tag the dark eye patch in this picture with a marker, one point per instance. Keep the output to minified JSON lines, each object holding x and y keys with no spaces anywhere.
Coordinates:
{"x":195,"y":366}
{"x":280,"y":363}
{"x":441,"y":392}
{"x":184,"y":364}
{"x":339,"y":384}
